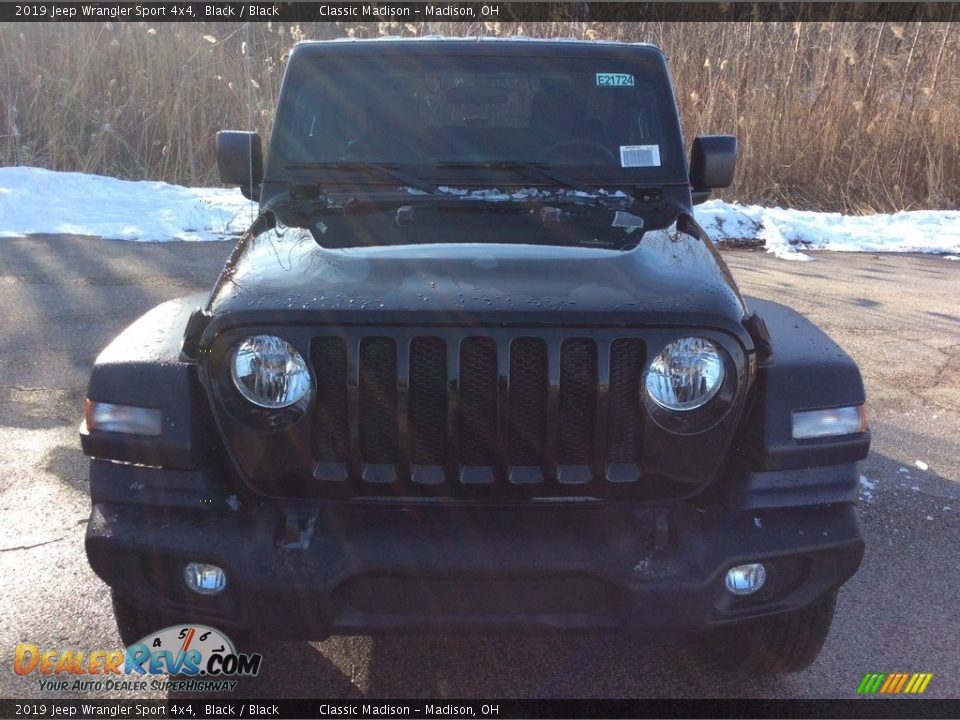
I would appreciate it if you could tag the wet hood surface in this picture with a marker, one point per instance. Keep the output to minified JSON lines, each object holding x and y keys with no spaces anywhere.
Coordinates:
{"x":670,"y":278}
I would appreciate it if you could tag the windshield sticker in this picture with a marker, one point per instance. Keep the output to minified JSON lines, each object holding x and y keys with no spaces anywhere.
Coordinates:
{"x":639,"y":156}
{"x":615,"y":80}
{"x":627,"y":220}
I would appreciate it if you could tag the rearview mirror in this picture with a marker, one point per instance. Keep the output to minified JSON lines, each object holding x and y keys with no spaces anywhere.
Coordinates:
{"x":713,"y":160}
{"x":240,"y":161}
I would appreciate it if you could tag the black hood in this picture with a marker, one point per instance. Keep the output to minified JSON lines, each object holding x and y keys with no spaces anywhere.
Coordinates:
{"x":669,"y":278}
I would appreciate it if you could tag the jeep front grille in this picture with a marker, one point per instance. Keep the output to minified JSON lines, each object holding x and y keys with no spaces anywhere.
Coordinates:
{"x":460,"y":412}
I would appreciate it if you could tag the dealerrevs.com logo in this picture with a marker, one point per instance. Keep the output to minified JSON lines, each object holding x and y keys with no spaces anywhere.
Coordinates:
{"x":204,"y":655}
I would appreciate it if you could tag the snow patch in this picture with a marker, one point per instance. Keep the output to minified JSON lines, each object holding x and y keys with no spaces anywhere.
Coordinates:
{"x":785,"y":231}
{"x":38,"y":201}
{"x":776,"y":243}
{"x":524,"y":194}
{"x":921,"y":464}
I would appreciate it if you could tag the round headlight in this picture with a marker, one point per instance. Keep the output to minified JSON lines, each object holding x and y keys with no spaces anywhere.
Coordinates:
{"x":686,"y":374}
{"x":269,"y":372}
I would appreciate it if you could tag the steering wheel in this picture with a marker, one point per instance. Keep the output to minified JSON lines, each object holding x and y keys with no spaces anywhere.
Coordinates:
{"x":586,"y":147}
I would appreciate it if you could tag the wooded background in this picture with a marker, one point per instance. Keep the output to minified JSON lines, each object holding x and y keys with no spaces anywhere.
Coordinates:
{"x":854,"y":117}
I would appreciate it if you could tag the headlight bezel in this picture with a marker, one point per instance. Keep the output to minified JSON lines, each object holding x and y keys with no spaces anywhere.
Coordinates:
{"x":688,"y":406}
{"x":248,"y":394}
{"x":706,"y":415}
{"x":243,"y":408}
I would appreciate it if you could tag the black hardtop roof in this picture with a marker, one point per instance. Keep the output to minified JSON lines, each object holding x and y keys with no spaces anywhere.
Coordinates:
{"x":516,"y":46}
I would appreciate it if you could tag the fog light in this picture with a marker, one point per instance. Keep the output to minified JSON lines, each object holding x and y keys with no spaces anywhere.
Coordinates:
{"x":746,"y":579}
{"x":204,"y":579}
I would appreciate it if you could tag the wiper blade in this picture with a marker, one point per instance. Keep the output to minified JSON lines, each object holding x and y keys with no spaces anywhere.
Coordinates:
{"x":541,"y":169}
{"x":383,"y":169}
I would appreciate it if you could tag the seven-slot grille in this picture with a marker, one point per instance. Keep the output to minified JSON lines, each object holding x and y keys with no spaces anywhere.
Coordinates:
{"x":459,"y":410}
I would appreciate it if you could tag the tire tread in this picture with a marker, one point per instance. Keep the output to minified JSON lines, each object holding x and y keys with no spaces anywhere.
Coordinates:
{"x":774,"y":645}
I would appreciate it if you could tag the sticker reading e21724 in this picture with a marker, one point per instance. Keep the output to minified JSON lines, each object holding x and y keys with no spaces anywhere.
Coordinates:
{"x":615,"y":79}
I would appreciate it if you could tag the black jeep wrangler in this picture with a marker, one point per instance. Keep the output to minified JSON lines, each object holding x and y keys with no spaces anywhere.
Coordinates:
{"x":476,"y":367}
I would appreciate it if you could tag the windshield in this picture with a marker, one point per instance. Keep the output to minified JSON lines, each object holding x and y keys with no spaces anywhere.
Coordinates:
{"x":606,"y":120}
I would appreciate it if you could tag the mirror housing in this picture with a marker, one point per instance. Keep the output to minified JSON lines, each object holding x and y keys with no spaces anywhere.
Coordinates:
{"x":240,"y":161}
{"x":713,"y":161}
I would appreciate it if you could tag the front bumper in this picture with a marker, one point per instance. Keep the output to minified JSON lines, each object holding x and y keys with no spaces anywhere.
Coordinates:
{"x":360,"y":567}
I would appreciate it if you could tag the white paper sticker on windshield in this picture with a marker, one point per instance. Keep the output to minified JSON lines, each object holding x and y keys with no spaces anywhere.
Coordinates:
{"x":626,"y":220}
{"x":615,"y":79}
{"x":639,"y":156}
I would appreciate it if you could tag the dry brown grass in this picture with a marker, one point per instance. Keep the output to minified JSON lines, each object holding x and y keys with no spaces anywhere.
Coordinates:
{"x":839,"y":116}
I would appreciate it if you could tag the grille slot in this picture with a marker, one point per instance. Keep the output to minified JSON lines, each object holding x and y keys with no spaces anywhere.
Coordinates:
{"x":528,"y":401}
{"x":478,"y":401}
{"x":428,"y":401}
{"x":624,"y":429}
{"x":378,"y":401}
{"x":578,"y":401}
{"x":330,"y":436}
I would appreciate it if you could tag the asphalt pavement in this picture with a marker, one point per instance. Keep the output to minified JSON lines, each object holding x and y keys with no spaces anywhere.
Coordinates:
{"x":62,"y":299}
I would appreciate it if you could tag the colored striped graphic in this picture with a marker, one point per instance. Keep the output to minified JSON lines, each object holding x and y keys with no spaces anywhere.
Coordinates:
{"x":894,"y":683}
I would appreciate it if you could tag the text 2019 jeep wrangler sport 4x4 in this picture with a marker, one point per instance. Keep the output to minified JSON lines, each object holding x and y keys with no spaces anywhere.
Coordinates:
{"x":476,"y":367}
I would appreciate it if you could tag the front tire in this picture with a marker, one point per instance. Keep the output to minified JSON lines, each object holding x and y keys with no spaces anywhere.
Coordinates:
{"x":135,"y":623}
{"x":774,"y":645}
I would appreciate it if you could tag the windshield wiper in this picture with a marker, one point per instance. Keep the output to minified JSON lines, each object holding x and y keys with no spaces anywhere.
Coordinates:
{"x":541,"y":169}
{"x":383,"y":169}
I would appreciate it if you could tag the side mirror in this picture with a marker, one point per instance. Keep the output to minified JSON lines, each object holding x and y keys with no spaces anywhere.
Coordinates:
{"x":240,"y":161}
{"x":713,"y":160}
